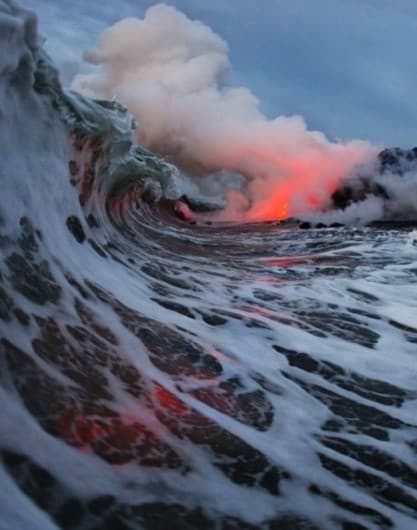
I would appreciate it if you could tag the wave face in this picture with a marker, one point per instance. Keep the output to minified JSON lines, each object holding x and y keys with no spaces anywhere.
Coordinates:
{"x":156,"y":374}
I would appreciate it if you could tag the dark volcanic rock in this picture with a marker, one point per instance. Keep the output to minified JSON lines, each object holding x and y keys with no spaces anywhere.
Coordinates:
{"x":183,"y":211}
{"x":75,"y":227}
{"x":356,"y":191}
{"x":393,"y":160}
{"x":397,"y":160}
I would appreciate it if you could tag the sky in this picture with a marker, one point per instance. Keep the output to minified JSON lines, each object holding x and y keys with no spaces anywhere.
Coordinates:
{"x":349,"y":67}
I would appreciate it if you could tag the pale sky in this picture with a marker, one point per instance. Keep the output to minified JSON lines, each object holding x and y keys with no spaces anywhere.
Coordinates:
{"x":348,"y":66}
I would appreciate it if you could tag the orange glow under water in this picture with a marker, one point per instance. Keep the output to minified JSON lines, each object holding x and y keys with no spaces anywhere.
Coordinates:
{"x":295,"y":195}
{"x":288,"y":185}
{"x":169,"y":401}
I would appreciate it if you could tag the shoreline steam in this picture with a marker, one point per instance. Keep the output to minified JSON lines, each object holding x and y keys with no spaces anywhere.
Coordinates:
{"x":171,"y":74}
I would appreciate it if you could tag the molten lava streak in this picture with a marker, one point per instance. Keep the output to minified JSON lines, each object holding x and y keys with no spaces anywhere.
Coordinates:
{"x":293,"y":183}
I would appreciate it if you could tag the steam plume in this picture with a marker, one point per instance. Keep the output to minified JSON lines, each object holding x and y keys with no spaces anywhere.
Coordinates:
{"x":171,"y":73}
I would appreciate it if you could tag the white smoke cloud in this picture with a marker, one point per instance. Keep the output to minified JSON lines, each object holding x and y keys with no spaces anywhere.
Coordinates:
{"x":171,"y":73}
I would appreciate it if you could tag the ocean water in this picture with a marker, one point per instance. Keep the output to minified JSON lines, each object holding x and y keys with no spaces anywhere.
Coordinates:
{"x":159,"y":374}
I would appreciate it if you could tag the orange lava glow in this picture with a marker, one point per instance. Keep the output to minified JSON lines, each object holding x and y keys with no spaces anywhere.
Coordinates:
{"x":169,"y":401}
{"x":290,"y":184}
{"x":78,"y":429}
{"x":293,"y":197}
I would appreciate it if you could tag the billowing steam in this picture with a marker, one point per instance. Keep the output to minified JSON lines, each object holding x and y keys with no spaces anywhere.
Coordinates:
{"x":171,"y":73}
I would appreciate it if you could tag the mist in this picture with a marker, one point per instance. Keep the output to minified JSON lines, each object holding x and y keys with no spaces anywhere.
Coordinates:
{"x":172,"y":74}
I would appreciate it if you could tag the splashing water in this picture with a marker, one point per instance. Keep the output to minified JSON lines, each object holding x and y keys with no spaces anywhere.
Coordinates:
{"x":159,"y":374}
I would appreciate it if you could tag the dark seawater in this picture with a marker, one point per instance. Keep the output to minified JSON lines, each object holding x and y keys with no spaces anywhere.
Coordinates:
{"x":160,"y":375}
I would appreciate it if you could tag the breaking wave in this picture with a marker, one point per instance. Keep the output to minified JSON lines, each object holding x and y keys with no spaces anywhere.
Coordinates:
{"x":161,"y":370}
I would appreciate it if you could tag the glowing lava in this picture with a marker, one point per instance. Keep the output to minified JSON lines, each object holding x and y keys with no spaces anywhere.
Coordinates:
{"x":297,"y":183}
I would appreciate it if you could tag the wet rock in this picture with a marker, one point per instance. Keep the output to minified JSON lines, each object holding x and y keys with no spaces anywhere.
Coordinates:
{"x":165,"y":275}
{"x":35,"y":481}
{"x":27,"y":240}
{"x":357,"y":190}
{"x":289,"y":222}
{"x":97,"y":248}
{"x":70,"y":514}
{"x":393,"y":160}
{"x":397,"y":160}
{"x":371,"y":389}
{"x":230,"y":397}
{"x":381,"y":521}
{"x":92,"y":221}
{"x":342,"y":325}
{"x":76,"y":229}
{"x":239,"y":461}
{"x":156,"y":515}
{"x":183,"y":212}
{"x":6,"y":305}
{"x":375,"y":458}
{"x":384,"y":490}
{"x":81,"y":364}
{"x":175,"y":355}
{"x":76,"y":285}
{"x":21,"y":316}
{"x":88,"y":318}
{"x":73,"y":167}
{"x":291,"y":522}
{"x":34,"y":280}
{"x":175,"y":306}
{"x":100,"y":505}
{"x":410,"y":333}
{"x":213,"y":320}
{"x":349,"y":414}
